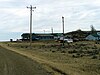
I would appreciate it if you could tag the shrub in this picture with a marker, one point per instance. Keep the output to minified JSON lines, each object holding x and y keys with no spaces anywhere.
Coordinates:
{"x":78,"y":54}
{"x":26,"y":46}
{"x":73,"y":51}
{"x":75,"y":56}
{"x":63,"y":51}
{"x":94,"y":57}
{"x":8,"y":44}
{"x":96,"y":51}
{"x":80,"y":51}
{"x":53,"y":51}
{"x":21,"y":46}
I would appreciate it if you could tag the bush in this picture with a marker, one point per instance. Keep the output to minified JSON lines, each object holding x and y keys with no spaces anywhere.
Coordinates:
{"x":21,"y":46}
{"x":26,"y":46}
{"x":80,"y":51}
{"x":53,"y":51}
{"x":63,"y":51}
{"x":96,"y":51}
{"x":75,"y":56}
{"x":94,"y":57}
{"x":74,"y":51}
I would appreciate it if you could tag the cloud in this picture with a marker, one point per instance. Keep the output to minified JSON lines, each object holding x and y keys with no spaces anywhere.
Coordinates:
{"x":78,"y":14}
{"x":14,"y":23}
{"x":5,"y":0}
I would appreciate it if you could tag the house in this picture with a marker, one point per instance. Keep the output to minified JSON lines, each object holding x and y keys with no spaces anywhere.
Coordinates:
{"x":26,"y":36}
{"x":57,"y":35}
{"x":95,"y":36}
{"x":44,"y":37}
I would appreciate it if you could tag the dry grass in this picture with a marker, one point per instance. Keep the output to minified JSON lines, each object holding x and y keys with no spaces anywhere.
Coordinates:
{"x":58,"y":60}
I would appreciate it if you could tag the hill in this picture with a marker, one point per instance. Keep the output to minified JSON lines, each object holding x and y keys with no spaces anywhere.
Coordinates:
{"x":78,"y":34}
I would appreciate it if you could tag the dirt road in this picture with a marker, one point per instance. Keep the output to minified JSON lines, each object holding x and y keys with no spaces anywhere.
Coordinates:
{"x":12,"y":63}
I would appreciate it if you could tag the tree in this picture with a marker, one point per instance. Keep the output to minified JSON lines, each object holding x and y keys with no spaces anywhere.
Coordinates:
{"x":25,"y":36}
{"x":93,"y":30}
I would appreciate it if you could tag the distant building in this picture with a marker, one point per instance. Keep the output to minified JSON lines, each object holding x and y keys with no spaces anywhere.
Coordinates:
{"x":95,"y":36}
{"x":43,"y":37}
{"x":26,"y":37}
{"x":57,"y":36}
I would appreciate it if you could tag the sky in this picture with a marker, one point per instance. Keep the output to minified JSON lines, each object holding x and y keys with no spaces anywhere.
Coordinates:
{"x":78,"y":14}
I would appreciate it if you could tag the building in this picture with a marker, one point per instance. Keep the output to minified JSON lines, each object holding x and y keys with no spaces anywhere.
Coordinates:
{"x":95,"y":36}
{"x":43,"y":37}
{"x":26,"y":36}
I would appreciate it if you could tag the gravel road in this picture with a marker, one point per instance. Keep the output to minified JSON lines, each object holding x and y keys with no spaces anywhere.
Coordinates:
{"x":12,"y":63}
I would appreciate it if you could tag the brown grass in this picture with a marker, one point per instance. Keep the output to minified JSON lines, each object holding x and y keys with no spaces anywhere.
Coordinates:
{"x":57,"y":60}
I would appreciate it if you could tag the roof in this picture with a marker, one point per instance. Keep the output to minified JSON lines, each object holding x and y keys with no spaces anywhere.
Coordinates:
{"x":57,"y":34}
{"x":95,"y":35}
{"x":37,"y":34}
{"x":43,"y":34}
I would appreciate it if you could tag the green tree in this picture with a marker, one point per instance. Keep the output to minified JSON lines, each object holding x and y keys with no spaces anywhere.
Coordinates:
{"x":25,"y":36}
{"x":93,"y":30}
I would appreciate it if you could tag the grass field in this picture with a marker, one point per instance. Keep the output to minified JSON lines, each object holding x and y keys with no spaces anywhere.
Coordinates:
{"x":79,"y":58}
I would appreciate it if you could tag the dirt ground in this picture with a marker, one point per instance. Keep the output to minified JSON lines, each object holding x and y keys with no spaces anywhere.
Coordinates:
{"x":12,"y":63}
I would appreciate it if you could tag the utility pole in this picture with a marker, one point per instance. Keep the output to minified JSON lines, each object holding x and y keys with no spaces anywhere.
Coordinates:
{"x":44,"y":31}
{"x":63,"y":29}
{"x":31,"y":9}
{"x":52,"y":30}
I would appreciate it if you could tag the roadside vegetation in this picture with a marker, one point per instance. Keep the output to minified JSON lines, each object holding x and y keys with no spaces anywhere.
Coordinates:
{"x":77,"y":58}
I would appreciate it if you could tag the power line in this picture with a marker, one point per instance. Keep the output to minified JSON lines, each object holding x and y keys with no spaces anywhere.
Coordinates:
{"x":31,"y":9}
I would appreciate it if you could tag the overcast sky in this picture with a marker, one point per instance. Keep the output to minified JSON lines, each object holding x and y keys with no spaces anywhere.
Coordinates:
{"x":78,"y":14}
